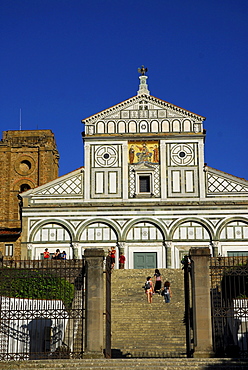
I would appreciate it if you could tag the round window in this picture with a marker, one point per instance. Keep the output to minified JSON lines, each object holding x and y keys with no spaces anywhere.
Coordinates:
{"x":25,"y":165}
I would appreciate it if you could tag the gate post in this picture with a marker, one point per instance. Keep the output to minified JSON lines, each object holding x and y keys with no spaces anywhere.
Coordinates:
{"x":94,"y":303}
{"x":202,"y":325}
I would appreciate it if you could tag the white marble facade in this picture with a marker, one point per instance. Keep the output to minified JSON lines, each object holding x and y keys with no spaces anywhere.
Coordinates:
{"x":144,"y":189}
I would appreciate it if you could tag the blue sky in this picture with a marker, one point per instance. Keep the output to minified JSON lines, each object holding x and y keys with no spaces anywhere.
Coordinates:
{"x":64,"y":60}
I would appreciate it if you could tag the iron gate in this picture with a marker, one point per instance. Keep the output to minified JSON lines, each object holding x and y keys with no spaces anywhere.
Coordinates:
{"x":41,"y":309}
{"x":229,"y":297}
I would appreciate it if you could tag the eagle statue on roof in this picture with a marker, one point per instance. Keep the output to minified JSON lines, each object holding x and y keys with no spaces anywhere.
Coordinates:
{"x":142,"y":70}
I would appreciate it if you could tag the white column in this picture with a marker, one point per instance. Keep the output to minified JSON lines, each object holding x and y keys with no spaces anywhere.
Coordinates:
{"x":31,"y":255}
{"x":74,"y":247}
{"x":117,"y":255}
{"x":201,"y":171}
{"x":125,"y":186}
{"x":126,"y":255}
{"x":170,"y":255}
{"x":164,"y":256}
{"x":163,"y":169}
{"x":87,"y":167}
{"x":216,"y":248}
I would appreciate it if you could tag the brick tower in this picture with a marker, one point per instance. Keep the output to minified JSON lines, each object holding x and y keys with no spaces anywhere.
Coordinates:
{"x":27,"y":159}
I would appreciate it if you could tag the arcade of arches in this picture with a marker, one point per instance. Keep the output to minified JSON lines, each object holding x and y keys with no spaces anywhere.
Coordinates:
{"x":145,"y":244}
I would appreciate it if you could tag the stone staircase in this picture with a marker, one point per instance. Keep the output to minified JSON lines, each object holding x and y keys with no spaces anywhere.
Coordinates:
{"x":140,"y":329}
{"x":129,"y":364}
{"x":149,"y":336}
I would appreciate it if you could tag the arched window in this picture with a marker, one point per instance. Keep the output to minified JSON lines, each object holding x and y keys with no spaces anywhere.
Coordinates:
{"x":144,"y":231}
{"x":24,"y":187}
{"x":52,"y":233}
{"x":236,"y":230}
{"x":98,"y":232}
{"x":191,"y":231}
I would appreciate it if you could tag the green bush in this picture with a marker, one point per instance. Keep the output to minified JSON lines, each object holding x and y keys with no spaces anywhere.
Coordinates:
{"x":34,"y":284}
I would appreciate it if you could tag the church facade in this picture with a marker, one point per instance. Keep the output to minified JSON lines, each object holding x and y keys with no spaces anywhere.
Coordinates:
{"x":144,"y":189}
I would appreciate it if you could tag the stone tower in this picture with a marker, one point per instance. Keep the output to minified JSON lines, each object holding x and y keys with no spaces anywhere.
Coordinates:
{"x":27,"y":159}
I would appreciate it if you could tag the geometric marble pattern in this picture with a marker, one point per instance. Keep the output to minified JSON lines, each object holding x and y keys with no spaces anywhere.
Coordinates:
{"x":218,"y":184}
{"x":156,"y":184}
{"x":155,"y":177}
{"x":132,"y":189}
{"x":73,"y":185}
{"x":182,"y":154}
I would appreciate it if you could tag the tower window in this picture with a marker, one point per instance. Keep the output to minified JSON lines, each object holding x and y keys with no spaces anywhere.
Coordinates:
{"x":9,"y":248}
{"x":24,"y":187}
{"x":144,"y":184}
{"x":25,"y":166}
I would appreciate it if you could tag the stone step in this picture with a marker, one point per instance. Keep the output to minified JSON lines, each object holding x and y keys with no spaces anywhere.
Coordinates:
{"x":135,"y":323}
{"x":144,"y":347}
{"x":161,"y":349}
{"x":131,"y":337}
{"x":177,"y":348}
{"x":129,"y":364}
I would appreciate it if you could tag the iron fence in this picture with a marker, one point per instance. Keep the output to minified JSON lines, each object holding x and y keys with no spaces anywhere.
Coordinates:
{"x":41,"y":309}
{"x":229,"y":300}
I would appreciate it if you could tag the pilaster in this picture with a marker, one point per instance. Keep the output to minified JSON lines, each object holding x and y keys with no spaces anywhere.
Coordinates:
{"x":125,"y":186}
{"x":94,"y":303}
{"x":202,"y":185}
{"x":202,"y":325}
{"x":87,"y":180}
{"x":163,"y":170}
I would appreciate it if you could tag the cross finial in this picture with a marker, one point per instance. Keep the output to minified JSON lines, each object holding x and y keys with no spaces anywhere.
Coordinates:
{"x":142,"y":70}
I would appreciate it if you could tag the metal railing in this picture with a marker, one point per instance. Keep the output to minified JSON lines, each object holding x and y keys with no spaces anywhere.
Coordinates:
{"x":229,"y":301}
{"x":41,"y":309}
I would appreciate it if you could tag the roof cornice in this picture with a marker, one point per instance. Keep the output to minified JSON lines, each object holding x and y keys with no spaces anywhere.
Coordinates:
{"x":130,"y":101}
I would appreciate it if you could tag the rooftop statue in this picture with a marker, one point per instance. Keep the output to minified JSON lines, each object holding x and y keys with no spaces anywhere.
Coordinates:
{"x":142,"y":70}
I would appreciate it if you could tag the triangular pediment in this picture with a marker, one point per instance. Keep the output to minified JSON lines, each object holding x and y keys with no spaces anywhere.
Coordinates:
{"x":69,"y":184}
{"x":143,"y":166}
{"x":221,"y":183}
{"x":143,"y":106}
